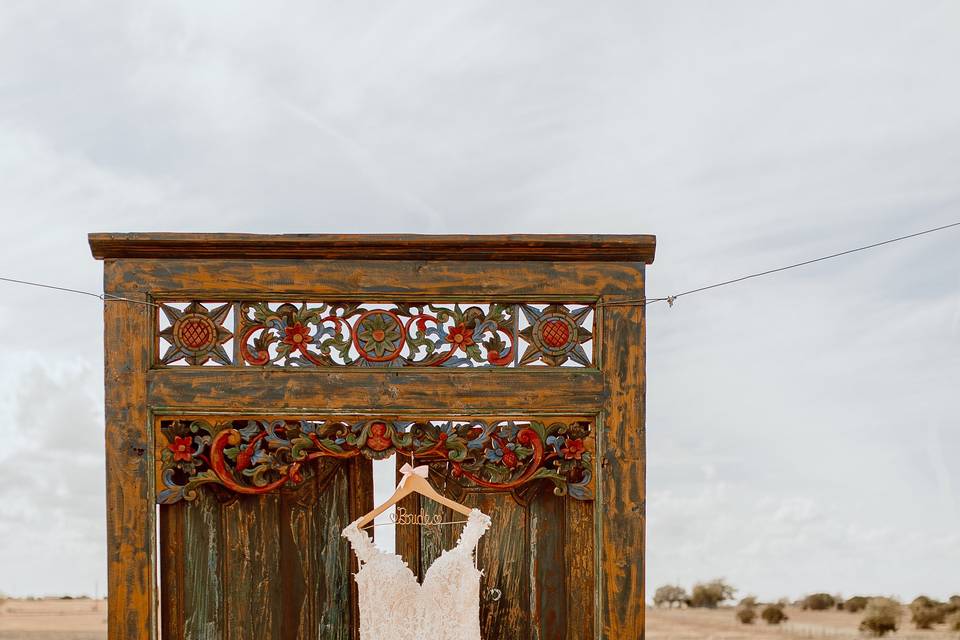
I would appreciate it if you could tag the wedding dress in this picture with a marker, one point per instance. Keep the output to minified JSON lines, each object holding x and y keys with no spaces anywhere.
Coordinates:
{"x":395,"y":606}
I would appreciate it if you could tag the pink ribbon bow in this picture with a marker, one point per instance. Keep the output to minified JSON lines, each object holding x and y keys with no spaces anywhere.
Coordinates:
{"x":423,"y":470}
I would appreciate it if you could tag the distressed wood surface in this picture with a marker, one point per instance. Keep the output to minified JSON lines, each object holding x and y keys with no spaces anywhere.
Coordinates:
{"x":548,"y":565}
{"x":203,"y":589}
{"x":262,"y":567}
{"x":363,"y":390}
{"x":172,"y":553}
{"x":580,"y":579}
{"x":130,"y":505}
{"x":518,"y":556}
{"x":251,"y":568}
{"x":221,"y":279}
{"x":374,"y":247}
{"x":623,"y":471}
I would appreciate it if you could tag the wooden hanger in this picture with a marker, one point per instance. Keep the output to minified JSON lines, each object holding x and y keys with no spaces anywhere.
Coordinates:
{"x":414,"y":481}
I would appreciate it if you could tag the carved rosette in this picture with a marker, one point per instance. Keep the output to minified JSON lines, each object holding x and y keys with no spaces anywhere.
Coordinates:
{"x":195,"y":334}
{"x":555,"y":334}
{"x":262,"y":455}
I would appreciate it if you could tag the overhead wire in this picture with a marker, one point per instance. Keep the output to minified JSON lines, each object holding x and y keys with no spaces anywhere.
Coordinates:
{"x":670,"y":299}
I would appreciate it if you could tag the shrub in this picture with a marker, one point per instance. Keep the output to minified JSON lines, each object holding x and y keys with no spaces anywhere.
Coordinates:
{"x":710,"y":594}
{"x":953,"y":604}
{"x":818,"y":601}
{"x":773,"y":614}
{"x":855,"y":604}
{"x":926,"y":612}
{"x":749,"y":601}
{"x":881,"y":616}
{"x":746,"y":615}
{"x":669,"y":595}
{"x":953,"y":622}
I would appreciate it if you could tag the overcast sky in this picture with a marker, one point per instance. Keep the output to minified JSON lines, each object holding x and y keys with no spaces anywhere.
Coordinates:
{"x":803,"y":429}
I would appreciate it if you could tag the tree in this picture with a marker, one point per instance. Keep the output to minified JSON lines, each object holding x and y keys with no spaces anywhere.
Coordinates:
{"x":881,"y":616}
{"x":855,"y":604}
{"x":710,"y":594}
{"x":818,"y":601}
{"x":773,"y":613}
{"x":746,"y":615}
{"x":669,"y":595}
{"x":926,"y":612}
{"x":749,"y":601}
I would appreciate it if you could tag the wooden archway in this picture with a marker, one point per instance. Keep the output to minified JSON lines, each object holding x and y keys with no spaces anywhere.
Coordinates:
{"x":250,"y":391}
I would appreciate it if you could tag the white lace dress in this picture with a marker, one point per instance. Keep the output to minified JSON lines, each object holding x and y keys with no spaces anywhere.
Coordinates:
{"x":395,"y":606}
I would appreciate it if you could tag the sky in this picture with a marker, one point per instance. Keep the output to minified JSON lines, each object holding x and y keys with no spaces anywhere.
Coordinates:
{"x":803,"y":432}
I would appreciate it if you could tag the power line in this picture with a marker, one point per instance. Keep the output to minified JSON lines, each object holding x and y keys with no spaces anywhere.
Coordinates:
{"x":107,"y":297}
{"x":671,"y":298}
{"x":102,"y":296}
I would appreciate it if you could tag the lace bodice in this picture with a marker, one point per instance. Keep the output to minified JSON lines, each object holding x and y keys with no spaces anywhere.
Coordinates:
{"x":395,"y":606}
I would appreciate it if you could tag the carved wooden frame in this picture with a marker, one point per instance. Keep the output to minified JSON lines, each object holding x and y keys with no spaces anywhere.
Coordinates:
{"x":565,"y":269}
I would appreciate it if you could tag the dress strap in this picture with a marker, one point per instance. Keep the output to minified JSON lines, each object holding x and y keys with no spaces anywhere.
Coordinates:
{"x":477,"y":523}
{"x":360,"y":540}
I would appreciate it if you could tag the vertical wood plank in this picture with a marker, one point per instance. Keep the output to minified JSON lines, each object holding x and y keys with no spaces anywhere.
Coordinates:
{"x":408,"y":539}
{"x":171,"y":571}
{"x":331,"y":580}
{"x":202,"y":546}
{"x":580,"y":575}
{"x":251,"y":567}
{"x":131,"y":511}
{"x":503,"y":554}
{"x":623,"y":469}
{"x":360,"y":502}
{"x":548,"y":566}
{"x":298,"y":560}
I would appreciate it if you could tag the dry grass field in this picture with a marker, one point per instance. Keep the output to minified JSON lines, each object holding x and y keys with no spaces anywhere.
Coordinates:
{"x":720,"y":624}
{"x":86,"y":620}
{"x":53,"y":620}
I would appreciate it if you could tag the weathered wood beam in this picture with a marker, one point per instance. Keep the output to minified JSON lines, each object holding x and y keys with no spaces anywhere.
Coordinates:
{"x":552,"y":247}
{"x":368,"y":391}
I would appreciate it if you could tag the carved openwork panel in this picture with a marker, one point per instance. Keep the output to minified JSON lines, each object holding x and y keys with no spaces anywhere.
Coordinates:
{"x":261,"y":455}
{"x":361,"y":334}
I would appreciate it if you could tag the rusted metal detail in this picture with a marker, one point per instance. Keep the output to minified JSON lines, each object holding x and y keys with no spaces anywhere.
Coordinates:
{"x":261,"y":456}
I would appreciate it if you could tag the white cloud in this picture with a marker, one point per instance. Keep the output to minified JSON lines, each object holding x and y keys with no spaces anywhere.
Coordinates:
{"x":807,"y":415}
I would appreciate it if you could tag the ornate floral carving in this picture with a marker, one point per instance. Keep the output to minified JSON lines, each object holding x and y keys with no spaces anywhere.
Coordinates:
{"x":262,"y":455}
{"x":331,"y":334}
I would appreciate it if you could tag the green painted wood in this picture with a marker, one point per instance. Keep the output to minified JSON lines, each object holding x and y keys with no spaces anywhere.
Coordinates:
{"x":202,"y":553}
{"x":251,"y":568}
{"x":548,"y":601}
{"x":332,"y":579}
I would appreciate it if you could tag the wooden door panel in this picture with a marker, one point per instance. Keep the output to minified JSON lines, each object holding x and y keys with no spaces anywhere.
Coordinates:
{"x":267,"y":566}
{"x":537,"y":560}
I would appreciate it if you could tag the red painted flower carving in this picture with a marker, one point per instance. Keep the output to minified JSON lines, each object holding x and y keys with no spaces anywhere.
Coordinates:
{"x":377,"y":439}
{"x":510,"y":458}
{"x":182,"y":448}
{"x":460,"y":336}
{"x":297,"y":336}
{"x":574,"y":449}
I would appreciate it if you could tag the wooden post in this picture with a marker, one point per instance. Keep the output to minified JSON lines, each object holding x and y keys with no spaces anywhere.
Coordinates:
{"x":131,"y":525}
